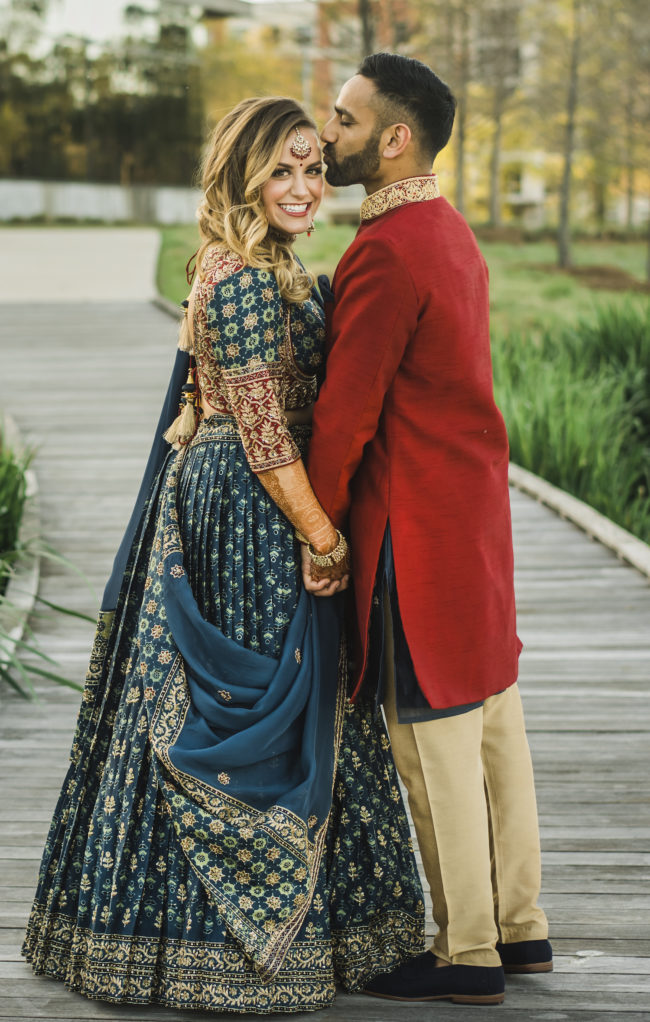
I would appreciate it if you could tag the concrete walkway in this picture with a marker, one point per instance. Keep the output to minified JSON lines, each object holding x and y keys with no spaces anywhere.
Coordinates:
{"x":77,"y":264}
{"x":85,"y":382}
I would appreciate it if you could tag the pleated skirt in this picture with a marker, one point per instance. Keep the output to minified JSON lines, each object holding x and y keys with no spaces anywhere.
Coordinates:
{"x":119,"y":914}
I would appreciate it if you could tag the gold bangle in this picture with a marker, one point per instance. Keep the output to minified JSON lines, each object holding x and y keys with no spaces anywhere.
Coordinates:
{"x":334,"y":557}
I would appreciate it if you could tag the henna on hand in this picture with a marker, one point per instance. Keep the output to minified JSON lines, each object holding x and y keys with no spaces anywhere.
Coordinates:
{"x":291,"y":490}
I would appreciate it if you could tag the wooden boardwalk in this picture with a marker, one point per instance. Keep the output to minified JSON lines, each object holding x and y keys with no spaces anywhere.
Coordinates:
{"x":85,"y":384}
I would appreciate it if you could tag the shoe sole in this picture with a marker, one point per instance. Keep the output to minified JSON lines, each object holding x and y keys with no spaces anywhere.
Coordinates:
{"x":454,"y":998}
{"x":530,"y":968}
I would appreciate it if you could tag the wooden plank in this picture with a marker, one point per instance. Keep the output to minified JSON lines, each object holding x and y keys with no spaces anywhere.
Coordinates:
{"x":522,"y":1002}
{"x":611,"y":946}
{"x":350,"y":1007}
{"x":584,"y":678}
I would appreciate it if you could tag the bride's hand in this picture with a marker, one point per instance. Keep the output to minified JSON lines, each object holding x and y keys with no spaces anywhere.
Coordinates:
{"x":324,"y":586}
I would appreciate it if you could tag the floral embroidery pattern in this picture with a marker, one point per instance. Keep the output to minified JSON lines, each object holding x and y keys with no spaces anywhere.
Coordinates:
{"x":256,"y":356}
{"x":411,"y":189}
{"x":253,"y":395}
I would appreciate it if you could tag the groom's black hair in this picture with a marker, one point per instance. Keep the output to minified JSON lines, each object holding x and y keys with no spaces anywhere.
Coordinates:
{"x":411,"y":92}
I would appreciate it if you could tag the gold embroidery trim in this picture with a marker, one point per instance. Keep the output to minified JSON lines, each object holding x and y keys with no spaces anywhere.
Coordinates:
{"x":399,"y":193}
{"x":212,"y":974}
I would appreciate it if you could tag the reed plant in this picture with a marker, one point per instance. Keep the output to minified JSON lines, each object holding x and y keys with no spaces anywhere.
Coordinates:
{"x":13,"y":493}
{"x":12,"y":497}
{"x":21,"y":659}
{"x":576,"y":401}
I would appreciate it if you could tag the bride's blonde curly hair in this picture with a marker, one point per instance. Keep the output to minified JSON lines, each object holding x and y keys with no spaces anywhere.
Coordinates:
{"x":242,"y":152}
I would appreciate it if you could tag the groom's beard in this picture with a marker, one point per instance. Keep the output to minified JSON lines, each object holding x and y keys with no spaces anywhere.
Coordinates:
{"x":355,"y":168}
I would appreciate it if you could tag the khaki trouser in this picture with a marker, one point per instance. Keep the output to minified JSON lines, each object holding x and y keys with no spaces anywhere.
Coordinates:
{"x":472,"y":798}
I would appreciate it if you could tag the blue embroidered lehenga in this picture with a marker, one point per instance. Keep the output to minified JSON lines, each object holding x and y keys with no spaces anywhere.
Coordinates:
{"x":230,"y":835}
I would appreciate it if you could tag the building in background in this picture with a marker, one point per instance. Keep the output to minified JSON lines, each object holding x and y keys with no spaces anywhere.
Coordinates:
{"x":130,"y":106}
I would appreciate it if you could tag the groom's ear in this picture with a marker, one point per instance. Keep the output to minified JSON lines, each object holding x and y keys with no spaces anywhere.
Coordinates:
{"x":396,"y":140}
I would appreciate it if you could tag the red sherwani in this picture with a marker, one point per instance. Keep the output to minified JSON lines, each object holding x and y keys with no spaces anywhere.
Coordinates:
{"x":406,"y":430}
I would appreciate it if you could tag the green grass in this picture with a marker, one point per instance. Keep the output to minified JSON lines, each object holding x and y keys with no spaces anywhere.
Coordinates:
{"x":177,"y":244}
{"x":320,"y":253}
{"x":524,"y":297}
{"x":530,"y":298}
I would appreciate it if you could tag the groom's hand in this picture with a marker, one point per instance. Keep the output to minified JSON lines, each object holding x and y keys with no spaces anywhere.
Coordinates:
{"x":324,"y":587}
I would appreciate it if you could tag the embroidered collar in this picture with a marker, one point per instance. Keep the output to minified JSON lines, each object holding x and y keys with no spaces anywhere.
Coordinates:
{"x":411,"y":189}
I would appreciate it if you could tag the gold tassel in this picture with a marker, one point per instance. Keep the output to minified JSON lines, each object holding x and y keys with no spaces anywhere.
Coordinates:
{"x":185,"y":334}
{"x":184,"y":425}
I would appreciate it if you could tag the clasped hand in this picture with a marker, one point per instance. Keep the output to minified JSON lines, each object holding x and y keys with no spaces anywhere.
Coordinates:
{"x":324,"y":586}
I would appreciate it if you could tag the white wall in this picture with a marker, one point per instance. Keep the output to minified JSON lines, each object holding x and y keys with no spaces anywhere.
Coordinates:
{"x":54,"y":200}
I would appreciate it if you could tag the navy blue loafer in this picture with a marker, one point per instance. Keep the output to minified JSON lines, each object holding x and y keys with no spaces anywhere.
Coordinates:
{"x":418,"y":979}
{"x":526,"y":956}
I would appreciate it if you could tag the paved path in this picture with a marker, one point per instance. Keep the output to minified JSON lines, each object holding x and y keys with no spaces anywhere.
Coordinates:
{"x":85,"y":384}
{"x":77,"y":264}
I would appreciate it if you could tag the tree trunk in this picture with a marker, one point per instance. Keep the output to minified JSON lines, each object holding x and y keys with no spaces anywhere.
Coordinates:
{"x":460,"y":155}
{"x":367,"y":27}
{"x":629,"y":154}
{"x":564,"y":228}
{"x":461,"y":111}
{"x":495,"y":159}
{"x":600,"y":204}
{"x":629,"y":199}
{"x":88,"y":120}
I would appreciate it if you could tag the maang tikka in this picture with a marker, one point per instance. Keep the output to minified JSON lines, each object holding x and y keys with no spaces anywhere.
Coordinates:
{"x":300,"y":147}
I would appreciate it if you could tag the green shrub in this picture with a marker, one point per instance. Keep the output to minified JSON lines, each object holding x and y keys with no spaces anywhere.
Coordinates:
{"x":619,"y":338}
{"x":12,"y":503}
{"x":20,"y":660}
{"x":577,"y":406}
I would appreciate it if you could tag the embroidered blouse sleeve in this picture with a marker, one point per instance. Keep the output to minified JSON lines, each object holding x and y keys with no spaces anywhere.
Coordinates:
{"x":246,"y":320}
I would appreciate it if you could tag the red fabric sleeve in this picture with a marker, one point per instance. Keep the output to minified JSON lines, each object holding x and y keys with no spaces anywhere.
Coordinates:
{"x":374,"y":315}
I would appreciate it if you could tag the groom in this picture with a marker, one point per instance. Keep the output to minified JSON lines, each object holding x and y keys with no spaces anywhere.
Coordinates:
{"x":409,"y":454}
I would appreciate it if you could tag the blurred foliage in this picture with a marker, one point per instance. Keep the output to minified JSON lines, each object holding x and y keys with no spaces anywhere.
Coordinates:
{"x":130,"y":112}
{"x":232,"y":69}
{"x":135,"y":110}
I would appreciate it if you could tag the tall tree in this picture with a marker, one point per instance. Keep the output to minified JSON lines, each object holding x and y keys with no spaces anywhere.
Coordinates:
{"x":445,"y":40}
{"x":564,"y":226}
{"x":633,"y":30}
{"x":463,"y":72}
{"x":367,"y":19}
{"x":498,"y":69}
